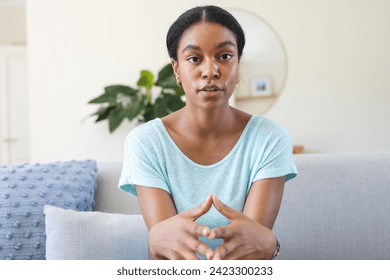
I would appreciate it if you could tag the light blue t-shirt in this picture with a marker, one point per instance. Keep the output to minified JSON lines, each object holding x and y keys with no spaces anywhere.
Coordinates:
{"x":152,"y":159}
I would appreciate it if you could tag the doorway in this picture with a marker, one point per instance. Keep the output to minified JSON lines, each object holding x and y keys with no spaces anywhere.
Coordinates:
{"x":14,"y":115}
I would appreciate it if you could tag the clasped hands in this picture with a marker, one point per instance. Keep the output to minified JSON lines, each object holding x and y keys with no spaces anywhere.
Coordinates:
{"x":243,"y":238}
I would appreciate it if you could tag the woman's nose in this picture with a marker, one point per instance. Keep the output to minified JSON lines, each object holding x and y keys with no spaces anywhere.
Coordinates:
{"x":210,"y":70}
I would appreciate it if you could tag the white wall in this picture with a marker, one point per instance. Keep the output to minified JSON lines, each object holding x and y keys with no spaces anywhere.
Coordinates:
{"x":336,"y":97}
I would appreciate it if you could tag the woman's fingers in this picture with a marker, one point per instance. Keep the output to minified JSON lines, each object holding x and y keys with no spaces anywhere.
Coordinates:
{"x":224,"y":232}
{"x":233,"y":249}
{"x":221,"y":253}
{"x":225,"y":210}
{"x":196,"y":212}
{"x":179,"y":240}
{"x":196,"y":230}
{"x":198,"y":246}
{"x":181,"y":255}
{"x":224,"y":250}
{"x":187,"y":247}
{"x":178,"y":236}
{"x":193,"y":214}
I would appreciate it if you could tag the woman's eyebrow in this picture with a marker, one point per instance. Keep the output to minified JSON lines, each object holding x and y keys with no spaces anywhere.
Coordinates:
{"x":226,"y":43}
{"x":219,"y":46}
{"x":191,"y":47}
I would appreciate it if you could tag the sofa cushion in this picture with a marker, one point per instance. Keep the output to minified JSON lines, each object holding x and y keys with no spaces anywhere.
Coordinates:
{"x":73,"y":235}
{"x":26,"y":188}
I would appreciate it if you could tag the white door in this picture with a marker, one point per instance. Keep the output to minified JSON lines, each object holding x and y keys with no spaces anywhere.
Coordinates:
{"x":14,"y":116}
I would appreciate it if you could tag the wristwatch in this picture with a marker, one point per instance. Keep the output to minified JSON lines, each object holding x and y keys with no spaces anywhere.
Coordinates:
{"x":277,"y":251}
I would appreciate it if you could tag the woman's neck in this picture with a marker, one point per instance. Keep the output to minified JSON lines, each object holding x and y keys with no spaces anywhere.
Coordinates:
{"x":208,"y":124}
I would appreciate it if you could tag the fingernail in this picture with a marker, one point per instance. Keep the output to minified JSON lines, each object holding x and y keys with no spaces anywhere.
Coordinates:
{"x":209,"y":256}
{"x":205,"y":231}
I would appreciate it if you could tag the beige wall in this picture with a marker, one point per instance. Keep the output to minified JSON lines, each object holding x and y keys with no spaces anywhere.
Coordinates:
{"x":336,"y":97}
{"x":12,"y":23}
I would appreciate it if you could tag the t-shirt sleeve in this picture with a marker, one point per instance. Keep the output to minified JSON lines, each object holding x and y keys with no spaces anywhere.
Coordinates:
{"x":141,"y":165}
{"x":277,"y":159}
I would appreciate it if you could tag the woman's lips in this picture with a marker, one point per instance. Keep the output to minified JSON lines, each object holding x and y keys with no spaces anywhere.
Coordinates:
{"x":210,"y":90}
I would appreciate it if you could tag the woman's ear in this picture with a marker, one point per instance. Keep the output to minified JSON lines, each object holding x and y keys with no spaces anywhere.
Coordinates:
{"x":175,"y":67}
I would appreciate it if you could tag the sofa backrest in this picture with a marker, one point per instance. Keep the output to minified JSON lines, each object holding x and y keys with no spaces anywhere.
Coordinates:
{"x":108,"y":197}
{"x":337,"y":208}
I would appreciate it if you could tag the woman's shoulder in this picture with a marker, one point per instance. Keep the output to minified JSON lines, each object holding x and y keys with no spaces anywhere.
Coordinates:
{"x":266,"y":124}
{"x":262,"y":128}
{"x":144,"y":132}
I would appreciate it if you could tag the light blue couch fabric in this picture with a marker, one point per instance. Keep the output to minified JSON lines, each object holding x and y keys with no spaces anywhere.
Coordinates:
{"x":338,"y":208}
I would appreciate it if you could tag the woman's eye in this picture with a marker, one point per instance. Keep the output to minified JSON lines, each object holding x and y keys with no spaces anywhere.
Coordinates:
{"x":194,"y":59}
{"x":225,"y":56}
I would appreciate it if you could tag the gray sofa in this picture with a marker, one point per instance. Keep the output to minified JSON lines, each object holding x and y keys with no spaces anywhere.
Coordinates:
{"x":338,"y":207}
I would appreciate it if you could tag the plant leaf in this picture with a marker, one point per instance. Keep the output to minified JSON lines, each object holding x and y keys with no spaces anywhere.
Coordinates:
{"x":167,"y":82}
{"x":126,"y":90}
{"x":175,"y":103}
{"x":115,"y":118}
{"x":111,"y":92}
{"x":103,"y":113}
{"x":109,"y":97}
{"x":166,"y":71}
{"x":167,"y":79}
{"x":160,"y":108}
{"x":135,"y":107}
{"x":148,"y":114}
{"x":166,"y":104}
{"x":146,"y":79}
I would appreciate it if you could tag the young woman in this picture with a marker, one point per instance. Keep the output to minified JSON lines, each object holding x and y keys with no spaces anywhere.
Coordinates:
{"x":209,"y":178}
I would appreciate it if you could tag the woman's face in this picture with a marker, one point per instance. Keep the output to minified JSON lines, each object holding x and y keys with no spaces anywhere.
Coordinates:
{"x":207,"y":64}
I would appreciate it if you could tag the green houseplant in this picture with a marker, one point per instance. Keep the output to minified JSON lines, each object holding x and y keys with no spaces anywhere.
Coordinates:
{"x":120,"y":102}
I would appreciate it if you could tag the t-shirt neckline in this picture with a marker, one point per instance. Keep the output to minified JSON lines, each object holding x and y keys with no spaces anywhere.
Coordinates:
{"x":180,"y":152}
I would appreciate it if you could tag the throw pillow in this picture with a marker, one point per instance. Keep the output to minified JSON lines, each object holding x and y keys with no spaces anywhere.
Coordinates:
{"x":26,"y":188}
{"x":73,"y":235}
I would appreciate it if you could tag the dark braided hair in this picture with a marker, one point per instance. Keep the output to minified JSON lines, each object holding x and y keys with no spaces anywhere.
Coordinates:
{"x":207,"y":14}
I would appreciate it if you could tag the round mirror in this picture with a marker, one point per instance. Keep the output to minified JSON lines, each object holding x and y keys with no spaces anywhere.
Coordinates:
{"x":263,"y":66}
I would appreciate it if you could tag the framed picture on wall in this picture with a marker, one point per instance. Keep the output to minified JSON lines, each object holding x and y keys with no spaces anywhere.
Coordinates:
{"x":261,"y":86}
